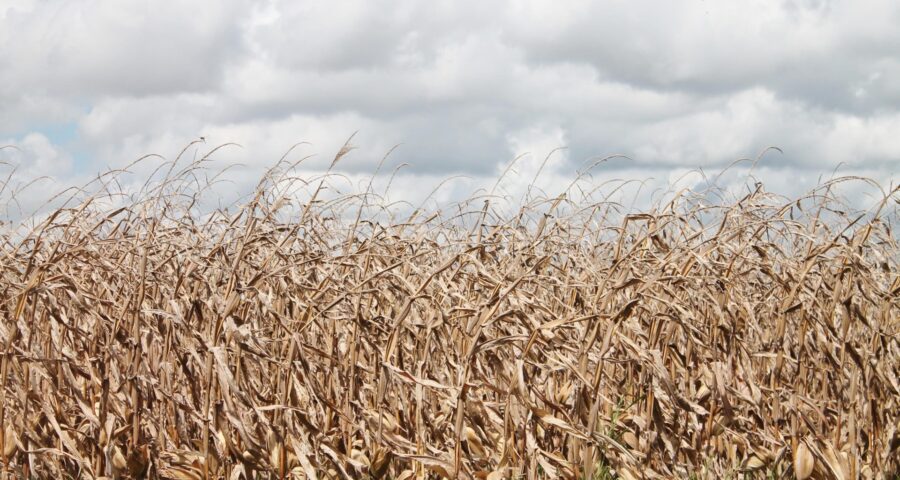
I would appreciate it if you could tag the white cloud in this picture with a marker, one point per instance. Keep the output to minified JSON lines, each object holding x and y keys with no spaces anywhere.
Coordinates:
{"x":30,"y":167}
{"x":34,"y":155}
{"x":813,"y":50}
{"x":463,"y":86}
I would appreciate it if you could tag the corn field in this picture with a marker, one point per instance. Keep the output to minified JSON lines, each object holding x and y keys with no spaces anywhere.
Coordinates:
{"x":704,"y":337}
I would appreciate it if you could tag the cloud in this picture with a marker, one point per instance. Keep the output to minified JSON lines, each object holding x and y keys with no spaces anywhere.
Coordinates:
{"x":34,"y":155}
{"x":462,"y":87}
{"x":103,"y":48}
{"x":821,"y":52}
{"x":30,"y":167}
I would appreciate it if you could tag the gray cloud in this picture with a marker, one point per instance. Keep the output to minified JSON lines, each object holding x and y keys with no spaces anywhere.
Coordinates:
{"x":109,"y":48}
{"x":463,"y":86}
{"x":833,"y":54}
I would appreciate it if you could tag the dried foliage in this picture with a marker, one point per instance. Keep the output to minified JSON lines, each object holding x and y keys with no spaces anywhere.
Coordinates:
{"x":323,"y":339}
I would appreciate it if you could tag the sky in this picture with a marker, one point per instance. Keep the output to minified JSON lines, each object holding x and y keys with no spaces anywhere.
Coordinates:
{"x":460,"y":88}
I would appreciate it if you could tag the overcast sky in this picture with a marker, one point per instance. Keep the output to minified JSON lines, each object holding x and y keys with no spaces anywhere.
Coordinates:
{"x":462,"y":86}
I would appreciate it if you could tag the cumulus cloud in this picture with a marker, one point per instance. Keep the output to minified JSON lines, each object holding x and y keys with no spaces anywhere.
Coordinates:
{"x":117,"y":48}
{"x":461,"y":88}
{"x":816,"y":50}
{"x":31,"y":166}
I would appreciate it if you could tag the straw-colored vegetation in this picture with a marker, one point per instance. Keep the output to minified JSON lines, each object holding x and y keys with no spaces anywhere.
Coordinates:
{"x":755,"y":337}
